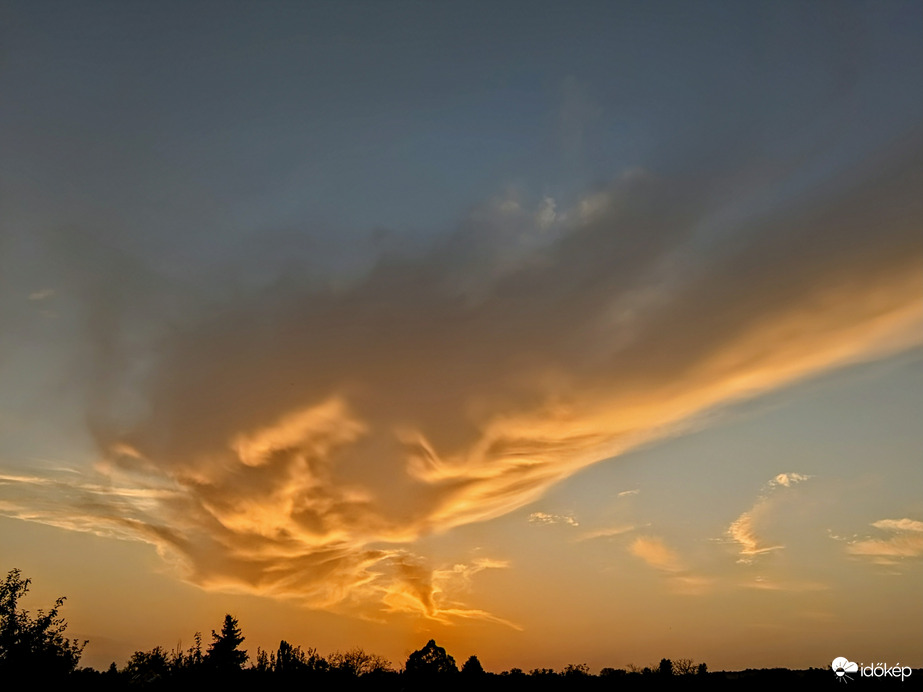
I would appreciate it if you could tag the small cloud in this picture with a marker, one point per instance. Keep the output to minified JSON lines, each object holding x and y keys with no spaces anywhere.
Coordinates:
{"x":908,"y":542}
{"x":626,"y":493}
{"x":607,"y":532}
{"x":656,"y":554}
{"x":741,"y":531}
{"x":898,"y":524}
{"x":691,"y":584}
{"x":788,"y":479}
{"x":459,"y":575}
{"x":43,"y":294}
{"x":771,"y":585}
{"x":544,"y":518}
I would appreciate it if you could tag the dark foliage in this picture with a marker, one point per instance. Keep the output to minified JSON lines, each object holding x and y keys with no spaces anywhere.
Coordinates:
{"x":430,"y":660}
{"x":35,"y":649}
{"x":223,"y":654}
{"x":472,"y":666}
{"x":33,"y":646}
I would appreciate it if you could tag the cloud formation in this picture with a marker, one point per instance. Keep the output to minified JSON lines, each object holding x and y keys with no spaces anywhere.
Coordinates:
{"x":743,"y":530}
{"x":788,"y":479}
{"x":545,"y":518}
{"x":297,"y":440}
{"x":907,"y":542}
{"x":656,"y":554}
{"x":608,"y":532}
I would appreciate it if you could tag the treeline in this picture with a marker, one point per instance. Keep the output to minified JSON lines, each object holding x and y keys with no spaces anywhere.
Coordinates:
{"x":34,"y":649}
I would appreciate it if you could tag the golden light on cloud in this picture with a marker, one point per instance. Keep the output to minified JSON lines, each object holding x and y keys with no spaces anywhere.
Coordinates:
{"x":656,"y":554}
{"x":300,"y":445}
{"x":742,"y":531}
{"x":681,"y":579}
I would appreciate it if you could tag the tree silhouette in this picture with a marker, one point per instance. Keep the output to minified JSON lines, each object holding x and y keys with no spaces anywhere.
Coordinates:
{"x":430,"y":660}
{"x":357,"y":662}
{"x":576,"y":670}
{"x":683,"y":666}
{"x":36,"y":646}
{"x":223,"y":653}
{"x":189,"y":660}
{"x":146,"y":667}
{"x":666,"y":666}
{"x":472,"y":666}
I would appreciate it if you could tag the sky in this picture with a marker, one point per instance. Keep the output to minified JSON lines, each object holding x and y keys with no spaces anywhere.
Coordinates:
{"x":559,"y":333}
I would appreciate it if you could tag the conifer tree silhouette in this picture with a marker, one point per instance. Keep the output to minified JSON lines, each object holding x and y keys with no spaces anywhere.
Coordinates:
{"x":223,"y":653}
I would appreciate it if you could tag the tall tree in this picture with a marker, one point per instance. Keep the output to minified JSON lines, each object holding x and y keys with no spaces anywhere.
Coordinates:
{"x":224,"y":653}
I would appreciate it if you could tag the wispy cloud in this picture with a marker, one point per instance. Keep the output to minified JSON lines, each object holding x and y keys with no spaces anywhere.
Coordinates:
{"x":766,"y":584}
{"x":609,"y":532}
{"x":544,"y":518}
{"x":906,"y":543}
{"x":626,"y":493}
{"x":43,"y":294}
{"x":435,"y":593}
{"x":743,"y":530}
{"x":656,"y":554}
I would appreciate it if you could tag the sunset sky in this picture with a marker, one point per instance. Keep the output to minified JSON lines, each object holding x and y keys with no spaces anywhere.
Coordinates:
{"x":557,"y":332}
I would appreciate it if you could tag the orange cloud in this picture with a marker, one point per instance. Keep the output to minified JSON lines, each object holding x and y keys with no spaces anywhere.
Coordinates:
{"x":297,"y":443}
{"x":741,"y":530}
{"x":656,"y":554}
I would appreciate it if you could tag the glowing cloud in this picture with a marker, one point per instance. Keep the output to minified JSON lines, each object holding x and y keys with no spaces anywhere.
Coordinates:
{"x":608,"y":532}
{"x":789,"y":479}
{"x":656,"y":554}
{"x":741,"y":531}
{"x":543,"y":518}
{"x":299,"y":441}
